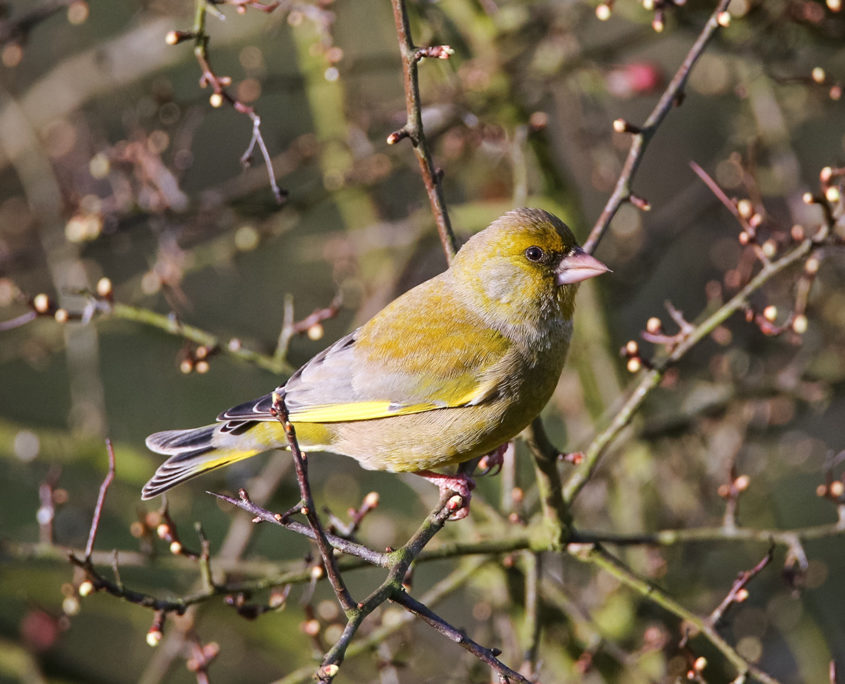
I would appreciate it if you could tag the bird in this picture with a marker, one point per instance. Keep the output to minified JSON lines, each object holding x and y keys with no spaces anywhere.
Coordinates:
{"x":451,"y":370}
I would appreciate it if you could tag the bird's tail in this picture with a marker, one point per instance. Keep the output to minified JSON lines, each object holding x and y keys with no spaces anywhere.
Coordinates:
{"x":194,"y":452}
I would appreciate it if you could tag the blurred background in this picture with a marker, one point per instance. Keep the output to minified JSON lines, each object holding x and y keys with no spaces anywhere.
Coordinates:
{"x":114,"y":164}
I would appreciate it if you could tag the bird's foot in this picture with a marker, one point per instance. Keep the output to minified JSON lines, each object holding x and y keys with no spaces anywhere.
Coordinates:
{"x":494,"y":460}
{"x":460,"y":486}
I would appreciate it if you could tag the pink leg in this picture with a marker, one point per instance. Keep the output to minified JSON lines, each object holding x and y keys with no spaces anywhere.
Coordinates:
{"x":495,"y":459}
{"x":459,"y":485}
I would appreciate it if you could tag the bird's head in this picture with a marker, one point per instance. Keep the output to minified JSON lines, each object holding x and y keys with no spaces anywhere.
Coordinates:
{"x":525,"y":266}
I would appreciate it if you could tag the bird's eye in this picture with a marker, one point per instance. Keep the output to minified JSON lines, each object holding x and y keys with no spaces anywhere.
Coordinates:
{"x":534,"y":253}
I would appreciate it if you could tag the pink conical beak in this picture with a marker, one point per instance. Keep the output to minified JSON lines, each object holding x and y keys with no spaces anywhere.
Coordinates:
{"x":578,"y":266}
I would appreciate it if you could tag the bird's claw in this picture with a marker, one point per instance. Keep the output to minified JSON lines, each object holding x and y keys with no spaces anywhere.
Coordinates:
{"x":494,"y":460}
{"x":460,"y":487}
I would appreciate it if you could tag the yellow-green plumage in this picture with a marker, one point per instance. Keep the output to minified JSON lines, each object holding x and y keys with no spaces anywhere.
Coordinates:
{"x":449,"y":371}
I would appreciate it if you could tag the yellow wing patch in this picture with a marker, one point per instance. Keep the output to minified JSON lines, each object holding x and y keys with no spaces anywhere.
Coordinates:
{"x":370,"y":410}
{"x":362,"y":410}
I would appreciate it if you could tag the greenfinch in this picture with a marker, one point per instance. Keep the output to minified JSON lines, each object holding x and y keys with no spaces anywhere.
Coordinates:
{"x":451,"y":370}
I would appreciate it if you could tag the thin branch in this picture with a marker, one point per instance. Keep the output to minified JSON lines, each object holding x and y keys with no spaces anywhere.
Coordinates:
{"x":485,"y":655}
{"x":101,"y":499}
{"x":339,"y":543}
{"x":173,"y":326}
{"x":219,"y":84}
{"x":651,"y":378}
{"x":307,"y":507}
{"x":533,"y":624}
{"x":641,"y":136}
{"x":556,"y":513}
{"x":739,"y":589}
{"x":400,"y":562}
{"x":413,"y":128}
{"x":437,"y":593}
{"x":597,"y":556}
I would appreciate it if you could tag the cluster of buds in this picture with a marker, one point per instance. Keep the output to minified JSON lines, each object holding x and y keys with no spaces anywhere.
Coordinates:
{"x":434,"y":52}
{"x":751,"y":218}
{"x":43,"y":305}
{"x":766,"y":321}
{"x":356,"y":516}
{"x":820,"y":77}
{"x":796,"y":321}
{"x":203,"y":655}
{"x":659,"y":8}
{"x":831,"y":180}
{"x":276,"y":601}
{"x":731,"y":490}
{"x":696,"y":668}
{"x":830,"y":197}
{"x":832,"y":489}
{"x":195,"y":360}
{"x":634,"y":360}
{"x":165,"y":529}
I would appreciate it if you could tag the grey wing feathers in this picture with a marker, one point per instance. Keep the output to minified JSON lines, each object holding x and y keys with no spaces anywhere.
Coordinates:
{"x":312,"y":384}
{"x":179,"y":441}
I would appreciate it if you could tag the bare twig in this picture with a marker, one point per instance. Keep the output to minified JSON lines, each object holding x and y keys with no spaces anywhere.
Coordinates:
{"x":413,"y":128}
{"x":219,"y":84}
{"x":651,"y":379}
{"x":485,"y":655}
{"x":739,"y":591}
{"x":307,"y":507}
{"x":600,"y":558}
{"x":340,"y":543}
{"x":643,"y":135}
{"x":101,"y":499}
